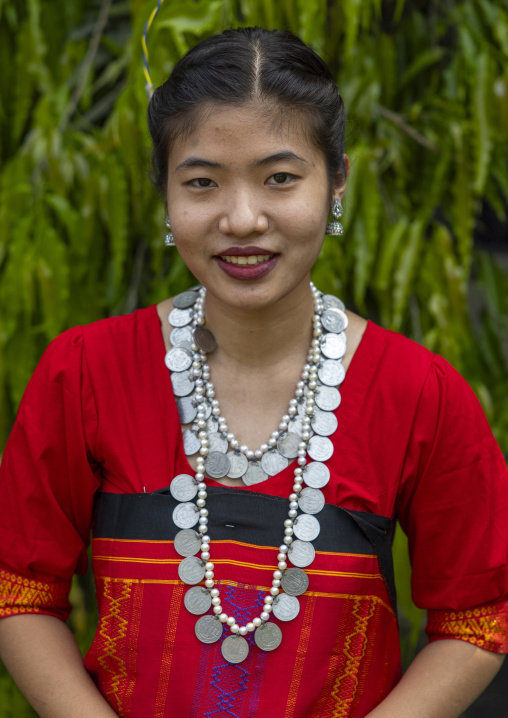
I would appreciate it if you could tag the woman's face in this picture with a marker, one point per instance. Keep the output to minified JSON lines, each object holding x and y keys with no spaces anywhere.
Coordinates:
{"x":248,"y":202}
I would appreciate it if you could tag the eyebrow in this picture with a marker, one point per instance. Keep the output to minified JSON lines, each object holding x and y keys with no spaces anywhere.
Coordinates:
{"x":285,"y":155}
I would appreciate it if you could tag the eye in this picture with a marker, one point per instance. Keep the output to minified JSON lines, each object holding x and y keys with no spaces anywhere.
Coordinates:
{"x":202,"y":182}
{"x":281,"y":178}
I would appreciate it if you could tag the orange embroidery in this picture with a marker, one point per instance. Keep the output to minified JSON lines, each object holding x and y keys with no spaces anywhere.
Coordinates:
{"x":113,"y":626}
{"x":300,"y":656}
{"x":169,"y":646}
{"x":484,"y":626}
{"x":23,"y":595}
{"x":344,"y":689}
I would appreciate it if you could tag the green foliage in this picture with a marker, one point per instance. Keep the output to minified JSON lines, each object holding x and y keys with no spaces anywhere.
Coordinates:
{"x":426,"y":85}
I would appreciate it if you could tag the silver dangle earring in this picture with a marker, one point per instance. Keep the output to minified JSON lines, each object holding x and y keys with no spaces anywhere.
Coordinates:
{"x":335,"y":228}
{"x":169,"y":240}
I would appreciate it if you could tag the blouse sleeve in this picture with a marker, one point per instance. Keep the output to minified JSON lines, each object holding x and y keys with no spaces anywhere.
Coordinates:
{"x":47,"y":482}
{"x":453,"y":506}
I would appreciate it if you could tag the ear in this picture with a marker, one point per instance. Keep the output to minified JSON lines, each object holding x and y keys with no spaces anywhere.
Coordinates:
{"x":339,"y":186}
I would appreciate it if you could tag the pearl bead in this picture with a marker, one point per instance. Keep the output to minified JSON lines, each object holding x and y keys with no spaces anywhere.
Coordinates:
{"x":293,"y":513}
{"x":244,"y":448}
{"x":258,"y":454}
{"x":265,"y":616}
{"x":297,"y":488}
{"x":215,"y":411}
{"x":249,"y":454}
{"x":202,"y":494}
{"x":276,"y":583}
{"x":282,"y":565}
{"x":231,"y":621}
{"x":200,"y":503}
{"x":264,"y":448}
{"x":205,"y":555}
{"x":305,"y":435}
{"x":209,"y":583}
{"x":257,"y":622}
{"x":293,"y":504}
{"x":204,"y":451}
{"x":203,"y":520}
{"x":208,"y":574}
{"x":268,"y":599}
{"x":283,"y":426}
{"x":202,"y":529}
{"x":205,"y":539}
{"x":235,"y":628}
{"x":230,"y":436}
{"x":288,"y":523}
{"x":287,"y":540}
{"x":215,"y":404}
{"x":223,"y":617}
{"x":301,"y":461}
{"x":298,"y":471}
{"x":199,"y":477}
{"x":233,"y":443}
{"x":201,"y":424}
{"x":293,"y":497}
{"x":274,"y":591}
{"x":216,"y":601}
{"x":288,"y":531}
{"x":242,"y":631}
{"x":298,"y":480}
{"x":250,"y":626}
{"x":214,"y":592}
{"x":277,"y":575}
{"x":205,"y":546}
{"x":313,"y":384}
{"x":299,"y":392}
{"x":217,"y":609}
{"x":272,"y":442}
{"x":203,"y":512}
{"x":267,"y":608}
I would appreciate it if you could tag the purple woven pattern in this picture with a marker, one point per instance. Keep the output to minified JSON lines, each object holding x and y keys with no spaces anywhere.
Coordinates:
{"x":233,"y":689}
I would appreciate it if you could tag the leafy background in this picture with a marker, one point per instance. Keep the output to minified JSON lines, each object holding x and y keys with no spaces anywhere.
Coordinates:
{"x":426,"y":85}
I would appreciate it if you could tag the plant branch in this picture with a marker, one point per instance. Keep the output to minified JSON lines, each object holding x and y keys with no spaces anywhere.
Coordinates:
{"x":405,"y":127}
{"x":87,"y":63}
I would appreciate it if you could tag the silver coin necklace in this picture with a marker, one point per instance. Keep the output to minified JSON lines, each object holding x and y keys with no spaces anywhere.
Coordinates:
{"x":303,"y":431}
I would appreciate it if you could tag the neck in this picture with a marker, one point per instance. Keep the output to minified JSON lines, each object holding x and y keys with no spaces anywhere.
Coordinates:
{"x":259,"y":337}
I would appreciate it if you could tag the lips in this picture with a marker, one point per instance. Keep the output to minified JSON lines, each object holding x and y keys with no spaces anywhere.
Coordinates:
{"x":246,"y":263}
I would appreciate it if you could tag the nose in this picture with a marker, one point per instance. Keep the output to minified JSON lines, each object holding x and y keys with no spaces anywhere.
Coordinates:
{"x":243,"y":215}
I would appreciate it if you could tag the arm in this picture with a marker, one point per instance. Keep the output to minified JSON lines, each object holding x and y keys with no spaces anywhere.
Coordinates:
{"x":42,"y":656}
{"x":442,"y":681}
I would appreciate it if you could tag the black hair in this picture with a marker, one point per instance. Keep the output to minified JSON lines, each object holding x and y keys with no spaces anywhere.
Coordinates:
{"x":244,"y":65}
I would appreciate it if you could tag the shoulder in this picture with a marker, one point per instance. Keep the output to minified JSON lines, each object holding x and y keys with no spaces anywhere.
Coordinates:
{"x":98,"y":340}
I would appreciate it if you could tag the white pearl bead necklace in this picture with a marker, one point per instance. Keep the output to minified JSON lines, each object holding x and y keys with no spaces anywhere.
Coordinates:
{"x":204,"y":387}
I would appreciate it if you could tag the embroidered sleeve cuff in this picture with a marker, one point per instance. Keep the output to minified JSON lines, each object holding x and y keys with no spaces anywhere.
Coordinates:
{"x":19,"y":594}
{"x":485,"y":626}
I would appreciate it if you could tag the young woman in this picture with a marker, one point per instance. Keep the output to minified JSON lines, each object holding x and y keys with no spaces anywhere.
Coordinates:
{"x":241,"y":451}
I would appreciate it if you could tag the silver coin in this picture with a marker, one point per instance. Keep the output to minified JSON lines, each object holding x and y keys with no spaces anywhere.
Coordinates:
{"x":217,"y":464}
{"x":254,"y":474}
{"x":204,"y":339}
{"x":217,"y":442}
{"x":187,"y":542}
{"x":320,"y":448}
{"x":186,"y":409}
{"x":191,"y":445}
{"x":273,"y":462}
{"x":324,"y":423}
{"x":286,"y":607}
{"x":178,"y":359}
{"x":180,"y":317}
{"x":185,"y":516}
{"x":316,"y":475}
{"x":191,"y":570}
{"x":185,"y":300}
{"x":268,"y":636}
{"x":208,"y":629}
{"x":333,"y":346}
{"x":197,"y":600}
{"x":295,"y":424}
{"x":327,"y":398}
{"x":334,"y":320}
{"x":301,"y":553}
{"x":180,"y":334}
{"x":294,"y":582}
{"x":235,"y":649}
{"x":212,"y":425}
{"x":182,"y":383}
{"x":183,"y":487}
{"x":306,"y":527}
{"x":288,"y":445}
{"x":331,"y":372}
{"x":238,"y":464}
{"x":311,"y":501}
{"x":329,"y":300}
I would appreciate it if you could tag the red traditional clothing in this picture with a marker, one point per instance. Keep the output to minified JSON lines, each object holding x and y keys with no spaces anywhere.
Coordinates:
{"x":98,"y":422}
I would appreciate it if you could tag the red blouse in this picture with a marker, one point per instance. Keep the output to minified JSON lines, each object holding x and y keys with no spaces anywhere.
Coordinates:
{"x":99,"y":418}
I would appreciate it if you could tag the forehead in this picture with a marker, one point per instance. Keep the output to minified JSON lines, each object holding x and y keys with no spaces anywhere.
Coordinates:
{"x":244,"y":131}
